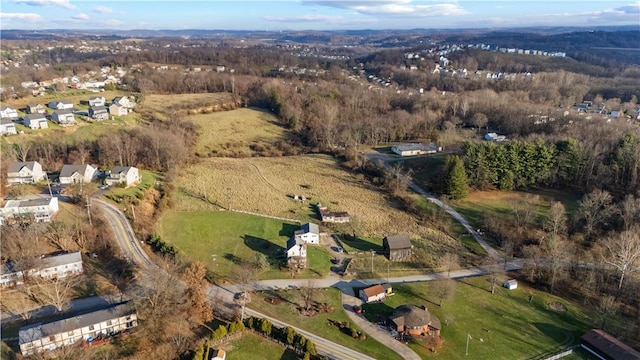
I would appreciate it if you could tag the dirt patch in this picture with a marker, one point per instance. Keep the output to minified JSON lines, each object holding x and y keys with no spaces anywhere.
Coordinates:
{"x":273,"y":300}
{"x":556,"y":306}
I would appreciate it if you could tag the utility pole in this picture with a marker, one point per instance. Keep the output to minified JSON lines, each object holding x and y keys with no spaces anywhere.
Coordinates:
{"x":373,"y":252}
{"x":388,"y":271}
{"x":89,"y":209}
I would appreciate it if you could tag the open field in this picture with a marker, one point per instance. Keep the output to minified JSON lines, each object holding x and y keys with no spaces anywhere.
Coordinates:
{"x":501,"y":203}
{"x":160,"y":106}
{"x":231,"y":238}
{"x":502,"y":326}
{"x":287,"y":311}
{"x":235,"y":130}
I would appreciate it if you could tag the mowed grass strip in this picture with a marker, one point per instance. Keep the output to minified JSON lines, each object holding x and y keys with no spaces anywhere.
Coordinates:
{"x":236,"y":130}
{"x":255,"y":347}
{"x":288,"y":312}
{"x":222,"y":240}
{"x":502,"y":326}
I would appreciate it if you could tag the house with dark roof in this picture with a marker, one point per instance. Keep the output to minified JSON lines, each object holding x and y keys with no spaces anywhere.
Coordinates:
{"x":296,"y":252}
{"x":122,"y":101}
{"x":332,"y":216}
{"x":87,"y":326}
{"x":63,"y":117}
{"x":606,"y":347}
{"x":75,"y":174}
{"x":397,"y":247}
{"x":25,"y":172}
{"x":60,"y":105}
{"x":98,"y":112}
{"x":414,"y":320}
{"x":52,"y":267}
{"x":35,"y":121}
{"x":309,"y":233}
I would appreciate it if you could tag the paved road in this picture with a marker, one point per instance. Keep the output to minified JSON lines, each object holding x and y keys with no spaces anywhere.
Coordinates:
{"x":131,"y":248}
{"x":386,"y":159}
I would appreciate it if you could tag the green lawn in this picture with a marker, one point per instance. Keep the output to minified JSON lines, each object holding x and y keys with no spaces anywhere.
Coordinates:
{"x":232,"y":238}
{"x":251,"y":346}
{"x":149,"y":179}
{"x":287,"y":311}
{"x":502,"y":326}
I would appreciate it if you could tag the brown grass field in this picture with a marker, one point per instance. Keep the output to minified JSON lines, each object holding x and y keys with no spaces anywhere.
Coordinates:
{"x":162,"y":105}
{"x":236,"y":130}
{"x":264,"y":186}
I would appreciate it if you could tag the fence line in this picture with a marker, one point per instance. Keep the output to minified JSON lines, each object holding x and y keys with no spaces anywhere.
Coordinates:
{"x":561,"y":355}
{"x":267,"y":216}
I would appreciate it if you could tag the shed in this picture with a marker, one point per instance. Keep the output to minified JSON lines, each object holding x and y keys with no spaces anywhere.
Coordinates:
{"x":511,"y":284}
{"x":397,"y":247}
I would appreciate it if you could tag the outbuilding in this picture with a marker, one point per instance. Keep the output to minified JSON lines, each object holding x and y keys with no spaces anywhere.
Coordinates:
{"x":511,"y":284}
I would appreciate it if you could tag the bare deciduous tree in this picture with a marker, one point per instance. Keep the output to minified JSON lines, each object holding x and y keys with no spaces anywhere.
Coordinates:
{"x":308,"y":293}
{"x":54,"y":291}
{"x":449,"y":262}
{"x":443,"y":289}
{"x":556,"y":221}
{"x":595,"y":209}
{"x":629,"y":210}
{"x":623,"y":252}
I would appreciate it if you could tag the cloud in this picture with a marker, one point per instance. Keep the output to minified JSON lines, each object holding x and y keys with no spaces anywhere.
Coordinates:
{"x":61,"y":3}
{"x":394,"y":8}
{"x":81,"y":16}
{"x":625,"y":12}
{"x":303,"y":18}
{"x":27,"y":17}
{"x":100,"y":9}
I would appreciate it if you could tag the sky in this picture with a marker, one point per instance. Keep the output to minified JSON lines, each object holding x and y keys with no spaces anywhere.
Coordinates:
{"x":311,"y":14}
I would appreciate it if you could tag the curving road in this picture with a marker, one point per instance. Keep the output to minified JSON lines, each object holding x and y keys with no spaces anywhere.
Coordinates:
{"x":131,"y":248}
{"x":386,"y":159}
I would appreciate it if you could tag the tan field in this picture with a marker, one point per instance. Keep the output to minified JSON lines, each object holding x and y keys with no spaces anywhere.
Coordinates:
{"x":265,"y":186}
{"x":162,"y":105}
{"x":236,"y":130}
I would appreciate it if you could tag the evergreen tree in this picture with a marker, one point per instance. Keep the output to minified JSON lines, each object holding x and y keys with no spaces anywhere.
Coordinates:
{"x":456,"y":184}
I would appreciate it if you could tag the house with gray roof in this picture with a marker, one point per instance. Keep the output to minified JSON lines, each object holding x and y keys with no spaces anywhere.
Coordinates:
{"x":25,"y":172}
{"x":309,"y":233}
{"x":64,"y":117}
{"x":7,"y":127}
{"x":76,"y":174}
{"x":98,"y":112}
{"x":125,"y":175}
{"x":117,"y":110}
{"x":97,"y":101}
{"x":60,"y":105}
{"x":35,"y":121}
{"x":28,"y":211}
{"x":35,"y":109}
{"x":52,"y":267}
{"x":296,"y":252}
{"x":7,"y":112}
{"x":87,"y":326}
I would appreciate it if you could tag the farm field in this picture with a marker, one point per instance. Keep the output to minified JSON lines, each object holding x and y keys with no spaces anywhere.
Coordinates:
{"x":232,"y":132}
{"x":287,"y":311}
{"x":234,"y":237}
{"x":502,"y":326}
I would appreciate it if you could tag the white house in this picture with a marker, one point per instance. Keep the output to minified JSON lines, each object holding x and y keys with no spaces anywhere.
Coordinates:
{"x":118,"y":110}
{"x":88,"y":326}
{"x":35,"y":210}
{"x":309,"y":233}
{"x":127,"y":175}
{"x":373,"y":293}
{"x":52,"y":267}
{"x":75,"y":174}
{"x":27,"y":172}
{"x":511,"y":284}
{"x":35,"y":121}
{"x":64,"y":117}
{"x":296,"y":252}
{"x":60,"y":105}
{"x":98,"y":113}
{"x":97,"y":101}
{"x":7,"y":127}
{"x":122,"y":101}
{"x":35,"y":109}
{"x":415,"y":149}
{"x":7,"y":112}
{"x":9,"y":276}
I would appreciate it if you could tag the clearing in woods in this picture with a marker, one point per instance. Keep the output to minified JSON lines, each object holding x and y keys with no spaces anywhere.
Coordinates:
{"x":161,"y":106}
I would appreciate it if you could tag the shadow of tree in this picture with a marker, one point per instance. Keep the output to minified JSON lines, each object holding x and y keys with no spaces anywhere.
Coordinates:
{"x":288,"y":229}
{"x":266,"y":247}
